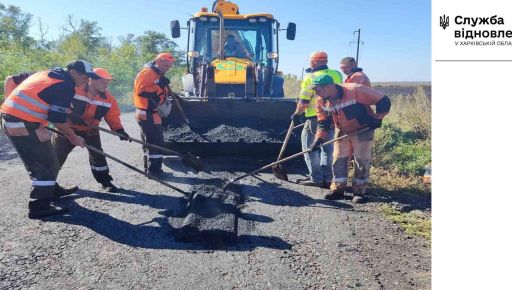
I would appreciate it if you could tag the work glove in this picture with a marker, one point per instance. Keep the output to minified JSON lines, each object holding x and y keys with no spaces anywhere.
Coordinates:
{"x":76,"y":140}
{"x":122,"y":132}
{"x":163,"y":82}
{"x":374,"y":123}
{"x":315,"y":146}
{"x":296,"y":118}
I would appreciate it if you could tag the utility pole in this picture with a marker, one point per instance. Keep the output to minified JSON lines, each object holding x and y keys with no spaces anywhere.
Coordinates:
{"x":358,"y":41}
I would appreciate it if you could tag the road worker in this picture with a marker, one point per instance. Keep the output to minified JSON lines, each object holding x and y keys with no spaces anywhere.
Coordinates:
{"x":92,"y":103}
{"x":318,"y":163}
{"x":151,"y":88}
{"x":11,"y":82}
{"x":43,"y":98}
{"x":346,"y":105}
{"x":355,"y":75}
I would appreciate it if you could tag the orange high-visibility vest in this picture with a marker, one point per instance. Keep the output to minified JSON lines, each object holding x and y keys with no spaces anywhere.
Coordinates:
{"x":359,"y":78}
{"x":349,"y":114}
{"x":93,"y":109}
{"x":146,"y":82}
{"x":24,"y":101}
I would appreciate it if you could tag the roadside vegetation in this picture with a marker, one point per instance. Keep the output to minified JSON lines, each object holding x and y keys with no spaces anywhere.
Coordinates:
{"x":402,"y":149}
{"x":80,"y":39}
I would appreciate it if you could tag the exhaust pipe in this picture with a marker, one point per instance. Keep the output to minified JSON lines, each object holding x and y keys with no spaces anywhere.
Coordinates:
{"x":222,"y":35}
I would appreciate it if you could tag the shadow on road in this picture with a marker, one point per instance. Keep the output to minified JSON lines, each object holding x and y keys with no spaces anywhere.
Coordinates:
{"x":156,"y":233}
{"x":276,"y":195}
{"x":409,"y":198}
{"x":234,"y":164}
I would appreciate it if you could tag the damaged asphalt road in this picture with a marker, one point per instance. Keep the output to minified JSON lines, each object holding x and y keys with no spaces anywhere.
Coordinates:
{"x":277,"y":235}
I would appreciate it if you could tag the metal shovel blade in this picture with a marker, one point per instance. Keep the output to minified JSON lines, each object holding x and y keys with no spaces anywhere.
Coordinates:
{"x":192,"y":161}
{"x":279,"y":172}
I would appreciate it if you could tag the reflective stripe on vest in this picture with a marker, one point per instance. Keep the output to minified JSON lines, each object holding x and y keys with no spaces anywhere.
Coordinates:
{"x":81,"y":98}
{"x":339,"y":106}
{"x":25,"y":103}
{"x":306,"y":93}
{"x":93,"y":102}
{"x":26,"y":98}
{"x":14,"y":124}
{"x":12,"y":104}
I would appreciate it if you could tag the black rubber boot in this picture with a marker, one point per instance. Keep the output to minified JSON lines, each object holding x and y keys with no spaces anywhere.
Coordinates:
{"x":109,"y":186}
{"x":156,"y":173}
{"x":337,"y":191}
{"x":333,"y":195}
{"x":359,"y":195}
{"x":159,"y":173}
{"x":60,"y":191}
{"x":44,"y":208}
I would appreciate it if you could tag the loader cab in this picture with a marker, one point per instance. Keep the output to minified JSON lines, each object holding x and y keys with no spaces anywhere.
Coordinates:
{"x":233,"y":56}
{"x":252,"y":36}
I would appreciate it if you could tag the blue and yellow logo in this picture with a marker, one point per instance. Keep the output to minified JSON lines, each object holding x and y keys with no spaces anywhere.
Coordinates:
{"x":229,"y":66}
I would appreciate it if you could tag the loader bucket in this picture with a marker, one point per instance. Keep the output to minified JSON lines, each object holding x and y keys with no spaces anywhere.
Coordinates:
{"x":229,"y":126}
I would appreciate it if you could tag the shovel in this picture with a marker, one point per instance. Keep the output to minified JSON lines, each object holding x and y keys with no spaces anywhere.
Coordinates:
{"x":177,"y":102}
{"x":290,"y":158}
{"x":188,"y":159}
{"x":278,"y":169}
{"x":92,"y":148}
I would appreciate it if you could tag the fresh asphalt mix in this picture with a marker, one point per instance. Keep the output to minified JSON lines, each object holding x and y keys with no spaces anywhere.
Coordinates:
{"x":261,"y":233}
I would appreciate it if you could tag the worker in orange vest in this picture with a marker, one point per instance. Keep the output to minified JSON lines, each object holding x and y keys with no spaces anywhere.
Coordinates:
{"x":150,"y":90}
{"x":11,"y":82}
{"x":42,"y":98}
{"x":344,"y":106}
{"x":355,"y":75}
{"x":92,"y":103}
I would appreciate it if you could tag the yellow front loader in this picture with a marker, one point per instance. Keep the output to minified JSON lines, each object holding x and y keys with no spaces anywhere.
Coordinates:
{"x":232,"y":74}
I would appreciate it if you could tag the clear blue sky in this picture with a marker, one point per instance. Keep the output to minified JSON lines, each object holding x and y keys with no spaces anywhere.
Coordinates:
{"x":396,"y":33}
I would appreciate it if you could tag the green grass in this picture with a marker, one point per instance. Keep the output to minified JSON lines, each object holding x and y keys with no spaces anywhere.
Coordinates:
{"x":414,"y":223}
{"x":404,"y":142}
{"x":402,"y":149}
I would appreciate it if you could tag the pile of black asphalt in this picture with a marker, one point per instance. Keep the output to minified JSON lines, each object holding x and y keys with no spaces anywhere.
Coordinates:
{"x":211,"y":217}
{"x":222,"y":133}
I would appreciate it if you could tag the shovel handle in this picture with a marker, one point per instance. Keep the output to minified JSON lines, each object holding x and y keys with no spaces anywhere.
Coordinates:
{"x":162,"y":149}
{"x":283,"y":148}
{"x":298,"y":126}
{"x":177,"y":101}
{"x":94,"y":149}
{"x":156,"y":147}
{"x":293,"y":156}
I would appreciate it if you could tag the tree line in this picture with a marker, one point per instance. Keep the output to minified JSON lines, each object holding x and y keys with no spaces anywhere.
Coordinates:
{"x":79,"y":39}
{"x":82,"y":39}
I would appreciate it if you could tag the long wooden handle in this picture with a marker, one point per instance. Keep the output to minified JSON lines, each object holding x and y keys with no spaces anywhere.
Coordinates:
{"x":92,"y":148}
{"x":149,"y":145}
{"x":177,"y":101}
{"x":283,"y":148}
{"x":292,"y":157}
